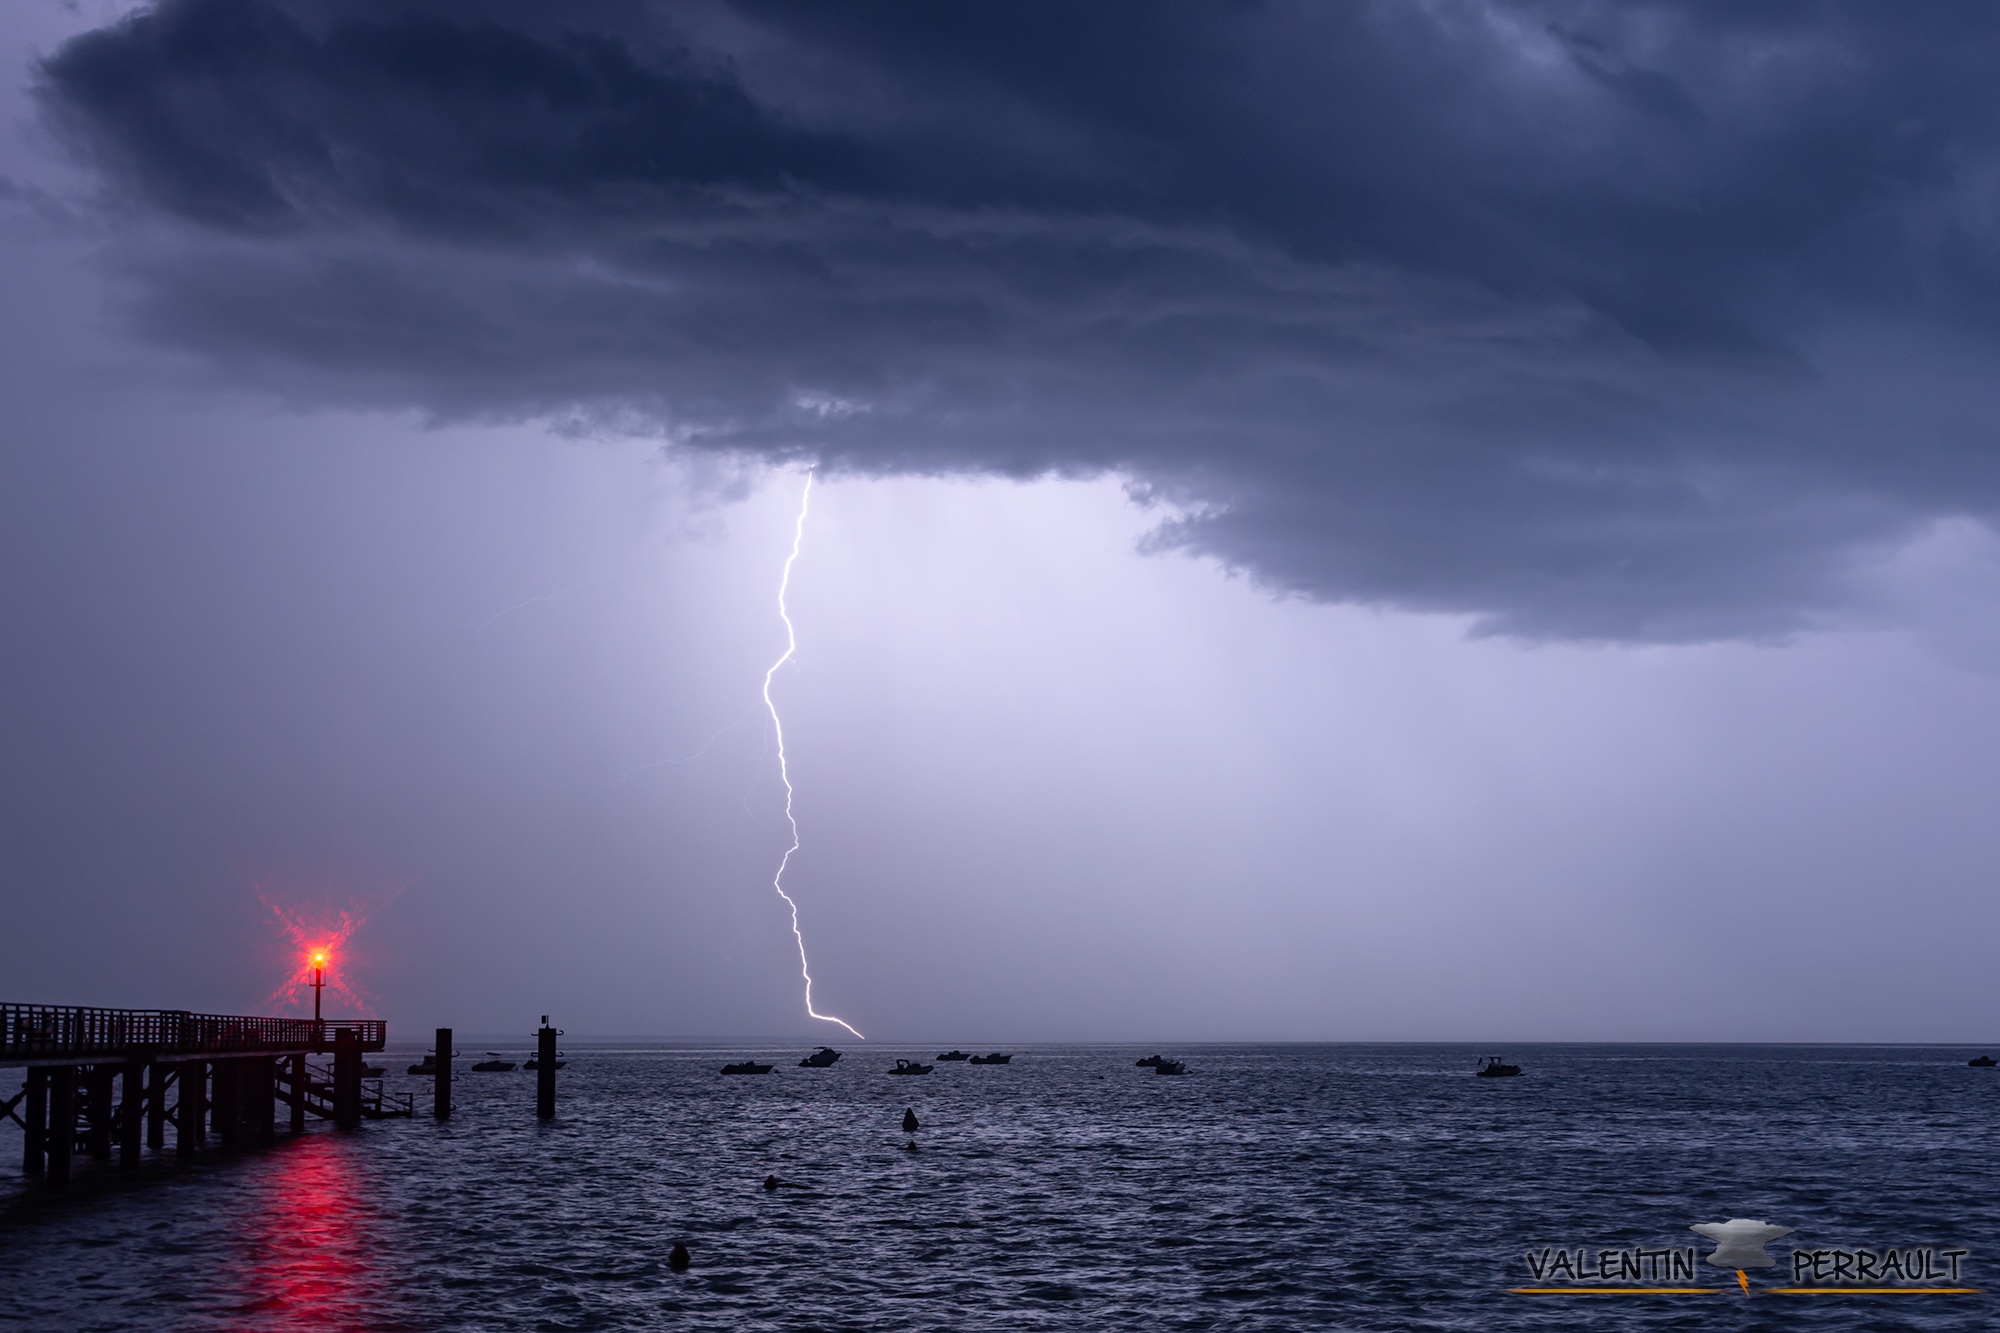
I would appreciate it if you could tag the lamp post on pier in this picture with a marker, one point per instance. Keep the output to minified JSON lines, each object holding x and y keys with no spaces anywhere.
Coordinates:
{"x":319,"y":981}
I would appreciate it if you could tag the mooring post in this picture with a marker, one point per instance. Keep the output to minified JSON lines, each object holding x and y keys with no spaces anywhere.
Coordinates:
{"x":545,"y":1072}
{"x":35,"y":1117}
{"x":191,"y":1108}
{"x":157,"y":1076}
{"x":62,"y":1123}
{"x":441,"y":1085}
{"x":347,"y":1078}
{"x":131,"y":1115}
{"x":297,"y":1067}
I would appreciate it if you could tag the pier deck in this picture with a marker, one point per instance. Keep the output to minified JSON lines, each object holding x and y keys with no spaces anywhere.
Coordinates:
{"x":51,"y":1034}
{"x":95,"y":1076}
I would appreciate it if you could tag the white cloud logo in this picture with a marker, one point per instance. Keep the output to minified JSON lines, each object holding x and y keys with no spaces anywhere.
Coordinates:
{"x":1740,"y":1242}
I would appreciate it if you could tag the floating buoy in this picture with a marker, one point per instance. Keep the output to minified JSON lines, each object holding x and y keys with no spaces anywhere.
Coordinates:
{"x":911,"y":1146}
{"x":909,"y":1121}
{"x":680,"y":1258}
{"x":770,"y":1182}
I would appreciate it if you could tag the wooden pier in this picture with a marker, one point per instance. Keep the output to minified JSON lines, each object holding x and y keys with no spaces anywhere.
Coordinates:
{"x":100,"y":1080}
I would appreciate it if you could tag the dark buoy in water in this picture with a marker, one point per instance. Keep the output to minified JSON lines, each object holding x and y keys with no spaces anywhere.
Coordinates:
{"x":909,"y":1121}
{"x":911,"y":1146}
{"x":770,"y":1182}
{"x":680,"y":1258}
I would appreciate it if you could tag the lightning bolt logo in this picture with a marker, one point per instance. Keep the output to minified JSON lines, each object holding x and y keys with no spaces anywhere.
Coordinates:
{"x":784,"y":774}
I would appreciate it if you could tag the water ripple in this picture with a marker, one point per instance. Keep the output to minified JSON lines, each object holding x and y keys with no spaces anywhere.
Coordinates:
{"x":1363,"y":1187}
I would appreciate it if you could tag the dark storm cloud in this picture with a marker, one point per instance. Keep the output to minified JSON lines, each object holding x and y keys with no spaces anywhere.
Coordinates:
{"x":1633,"y":321}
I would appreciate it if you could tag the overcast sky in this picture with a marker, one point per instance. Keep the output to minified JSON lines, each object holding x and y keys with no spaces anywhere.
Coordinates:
{"x":1456,"y":521}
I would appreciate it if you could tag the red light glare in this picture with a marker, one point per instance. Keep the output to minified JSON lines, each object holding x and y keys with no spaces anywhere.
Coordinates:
{"x":318,"y":939}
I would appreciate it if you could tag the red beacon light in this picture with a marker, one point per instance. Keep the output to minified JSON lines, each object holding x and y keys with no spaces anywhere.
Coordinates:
{"x":319,"y":979}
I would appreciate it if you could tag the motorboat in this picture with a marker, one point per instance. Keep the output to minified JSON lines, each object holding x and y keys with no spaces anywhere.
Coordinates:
{"x":493,"y":1064}
{"x":911,"y":1067}
{"x":372,"y":1071}
{"x":823,"y":1058}
{"x":1170,"y":1067}
{"x":997,"y":1058}
{"x":427,"y":1067}
{"x":1494,"y":1067}
{"x":1981,"y":1062}
{"x":954,"y":1055}
{"x":746,"y":1067}
{"x":1151,"y":1062}
{"x":535,"y":1061}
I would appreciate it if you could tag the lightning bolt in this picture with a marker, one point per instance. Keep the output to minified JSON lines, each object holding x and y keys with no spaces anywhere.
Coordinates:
{"x":1743,"y":1281}
{"x":784,"y":775}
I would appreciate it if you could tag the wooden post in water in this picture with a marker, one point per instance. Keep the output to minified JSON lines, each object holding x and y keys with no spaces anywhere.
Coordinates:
{"x":62,"y":1123}
{"x":35,"y":1118}
{"x":545,"y":1072}
{"x":441,"y":1085}
{"x":227,"y":1107}
{"x":347,"y":1078}
{"x":298,"y":1097}
{"x":97,"y":1108}
{"x":264,"y":1102}
{"x":157,"y":1077}
{"x":131,"y":1115}
{"x":191,"y":1108}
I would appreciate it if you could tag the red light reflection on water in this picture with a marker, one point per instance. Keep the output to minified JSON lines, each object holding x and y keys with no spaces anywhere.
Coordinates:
{"x":311,"y":1256}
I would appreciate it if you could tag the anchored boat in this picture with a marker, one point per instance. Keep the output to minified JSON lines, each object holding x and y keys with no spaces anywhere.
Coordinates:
{"x":822,"y":1058}
{"x":746,"y":1067}
{"x":493,"y":1064}
{"x":997,"y":1058}
{"x":911,"y":1067}
{"x":1494,"y":1067}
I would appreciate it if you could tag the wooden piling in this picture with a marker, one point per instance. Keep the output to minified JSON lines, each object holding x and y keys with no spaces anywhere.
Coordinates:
{"x":264,"y":1100}
{"x":297,"y":1067}
{"x":441,"y":1085}
{"x":191,"y":1108}
{"x":97,"y":1109}
{"x":131,"y":1115}
{"x":346,"y":1079}
{"x":226,"y":1104}
{"x":157,"y":1078}
{"x":62,"y":1123}
{"x":35,"y":1118}
{"x":545,"y":1072}
{"x":249,"y":1121}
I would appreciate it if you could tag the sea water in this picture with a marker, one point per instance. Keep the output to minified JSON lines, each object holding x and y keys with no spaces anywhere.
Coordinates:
{"x":1273,"y":1187}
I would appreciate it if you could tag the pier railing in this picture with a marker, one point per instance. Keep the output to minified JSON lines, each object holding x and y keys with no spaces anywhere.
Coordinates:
{"x":69,"y":1032}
